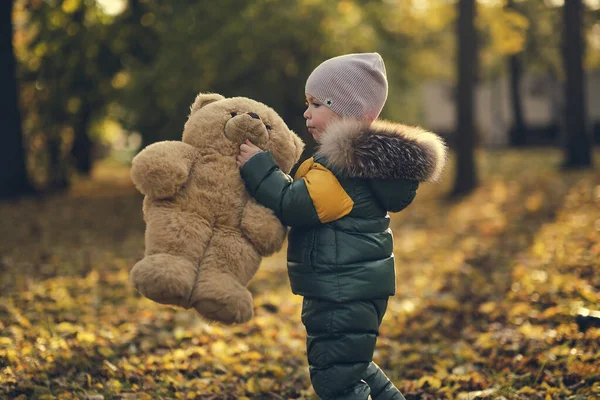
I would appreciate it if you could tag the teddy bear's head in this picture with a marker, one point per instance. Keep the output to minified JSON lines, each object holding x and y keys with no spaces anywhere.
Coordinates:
{"x":218,"y":126}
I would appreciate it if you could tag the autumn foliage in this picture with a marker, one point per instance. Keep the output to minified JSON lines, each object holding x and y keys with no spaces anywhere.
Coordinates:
{"x":488,"y":292}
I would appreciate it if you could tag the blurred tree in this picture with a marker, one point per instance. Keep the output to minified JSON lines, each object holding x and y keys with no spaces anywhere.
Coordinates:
{"x":518,"y":131}
{"x":265,"y":50}
{"x":578,"y":146}
{"x":543,"y":55}
{"x":543,"y":52}
{"x":528,"y":33}
{"x":13,"y":172}
{"x":416,"y":41}
{"x":71,"y":57}
{"x":466,"y":174}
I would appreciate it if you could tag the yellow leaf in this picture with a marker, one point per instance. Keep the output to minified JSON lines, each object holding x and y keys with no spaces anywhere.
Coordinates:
{"x":252,"y":355}
{"x":252,"y":386}
{"x":120,"y":80}
{"x":66,"y":327}
{"x":532,"y":331}
{"x":527,"y":390}
{"x":413,"y":357}
{"x":441,"y":373}
{"x":241,"y":370}
{"x":266,"y":384}
{"x":106,"y":352}
{"x":219,"y":347}
{"x":487,"y":307}
{"x":92,"y":278}
{"x":507,"y":29}
{"x":10,"y":354}
{"x":276,"y":370}
{"x":179,"y":354}
{"x":115,"y":385}
{"x":86,"y":337}
{"x":70,"y":6}
{"x":110,"y":366}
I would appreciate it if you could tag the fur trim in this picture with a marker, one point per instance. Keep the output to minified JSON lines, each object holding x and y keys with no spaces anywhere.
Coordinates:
{"x":384,"y":150}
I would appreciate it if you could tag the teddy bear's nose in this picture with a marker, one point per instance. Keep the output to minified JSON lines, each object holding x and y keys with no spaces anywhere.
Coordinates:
{"x":253,"y":115}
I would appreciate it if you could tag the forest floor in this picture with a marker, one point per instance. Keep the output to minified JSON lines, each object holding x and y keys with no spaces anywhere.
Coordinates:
{"x":488,"y":292}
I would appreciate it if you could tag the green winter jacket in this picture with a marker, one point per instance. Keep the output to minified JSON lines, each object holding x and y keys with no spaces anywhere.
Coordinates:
{"x":340,"y":247}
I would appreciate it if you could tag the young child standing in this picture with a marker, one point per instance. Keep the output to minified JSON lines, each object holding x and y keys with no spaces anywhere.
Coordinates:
{"x":340,"y":246}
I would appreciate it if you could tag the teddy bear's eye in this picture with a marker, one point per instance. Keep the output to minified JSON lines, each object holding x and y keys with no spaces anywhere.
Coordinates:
{"x":268,"y":127}
{"x":233,"y":114}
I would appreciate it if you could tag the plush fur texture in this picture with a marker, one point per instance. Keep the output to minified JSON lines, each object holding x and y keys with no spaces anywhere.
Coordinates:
{"x":384,"y":150}
{"x":205,"y":235}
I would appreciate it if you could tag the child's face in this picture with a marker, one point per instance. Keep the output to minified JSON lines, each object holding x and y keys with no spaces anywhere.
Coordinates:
{"x":318,"y":117}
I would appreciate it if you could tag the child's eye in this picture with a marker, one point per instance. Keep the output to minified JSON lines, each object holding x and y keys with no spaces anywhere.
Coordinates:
{"x":316,"y":105}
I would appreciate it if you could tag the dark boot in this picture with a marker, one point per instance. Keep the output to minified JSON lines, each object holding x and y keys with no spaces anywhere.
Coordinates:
{"x":381,"y":387}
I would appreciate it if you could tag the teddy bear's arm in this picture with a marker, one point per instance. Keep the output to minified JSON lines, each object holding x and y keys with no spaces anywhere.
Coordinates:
{"x":162,"y":168}
{"x":264,"y":230}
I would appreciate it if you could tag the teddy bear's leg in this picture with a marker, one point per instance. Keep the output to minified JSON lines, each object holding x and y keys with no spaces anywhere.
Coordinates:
{"x":220,"y":292}
{"x":165,"y":278}
{"x":175,"y":242}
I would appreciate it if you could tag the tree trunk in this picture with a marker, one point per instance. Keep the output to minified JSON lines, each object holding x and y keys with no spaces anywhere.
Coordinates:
{"x":466,"y":174}
{"x":82,"y":153}
{"x":82,"y":144}
{"x":58,"y":171}
{"x":13,"y":171}
{"x":578,"y":146}
{"x":518,"y":130}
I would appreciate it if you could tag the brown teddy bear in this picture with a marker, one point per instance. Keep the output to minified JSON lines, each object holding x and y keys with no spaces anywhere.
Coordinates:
{"x":205,"y":235}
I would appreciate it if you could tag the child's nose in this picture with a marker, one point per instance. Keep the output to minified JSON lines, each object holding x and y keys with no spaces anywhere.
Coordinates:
{"x":306,"y":115}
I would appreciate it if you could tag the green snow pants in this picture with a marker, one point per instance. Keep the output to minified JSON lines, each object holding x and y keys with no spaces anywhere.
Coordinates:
{"x":341,"y":339}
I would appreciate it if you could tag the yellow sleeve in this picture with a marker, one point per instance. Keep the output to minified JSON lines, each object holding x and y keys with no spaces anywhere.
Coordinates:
{"x":327,"y":194}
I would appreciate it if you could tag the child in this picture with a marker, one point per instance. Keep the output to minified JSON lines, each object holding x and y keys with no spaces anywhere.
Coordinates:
{"x":340,"y":246}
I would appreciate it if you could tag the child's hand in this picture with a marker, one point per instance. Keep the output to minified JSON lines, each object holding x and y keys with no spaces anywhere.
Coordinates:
{"x":247,"y":150}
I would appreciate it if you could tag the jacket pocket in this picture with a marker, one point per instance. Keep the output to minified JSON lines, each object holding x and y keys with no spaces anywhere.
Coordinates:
{"x":311,"y":251}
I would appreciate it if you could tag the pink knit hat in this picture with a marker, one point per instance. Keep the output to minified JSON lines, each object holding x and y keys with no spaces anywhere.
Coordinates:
{"x":352,"y":85}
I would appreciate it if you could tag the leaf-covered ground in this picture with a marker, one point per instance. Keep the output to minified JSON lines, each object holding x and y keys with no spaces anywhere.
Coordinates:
{"x":488,"y":292}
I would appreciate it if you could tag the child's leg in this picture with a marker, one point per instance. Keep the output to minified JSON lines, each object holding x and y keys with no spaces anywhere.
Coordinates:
{"x":381,"y":387}
{"x":340,"y":343}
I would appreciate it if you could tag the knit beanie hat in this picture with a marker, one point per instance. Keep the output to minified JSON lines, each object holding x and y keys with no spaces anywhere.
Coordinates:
{"x":352,"y":85}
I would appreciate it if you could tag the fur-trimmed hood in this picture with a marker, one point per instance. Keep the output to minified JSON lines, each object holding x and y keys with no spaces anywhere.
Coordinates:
{"x":385,"y":150}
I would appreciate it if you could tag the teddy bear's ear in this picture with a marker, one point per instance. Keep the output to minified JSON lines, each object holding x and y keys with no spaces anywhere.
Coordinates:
{"x":299,"y":146}
{"x":203,"y":99}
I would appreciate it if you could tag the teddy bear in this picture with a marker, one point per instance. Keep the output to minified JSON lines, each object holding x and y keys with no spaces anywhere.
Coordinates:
{"x":205,"y":235}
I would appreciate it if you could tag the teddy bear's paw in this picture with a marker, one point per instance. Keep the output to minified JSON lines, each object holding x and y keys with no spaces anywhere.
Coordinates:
{"x":165,"y":279}
{"x":267,"y":242}
{"x":223,"y":311}
{"x":223,"y":299}
{"x":263,"y":229}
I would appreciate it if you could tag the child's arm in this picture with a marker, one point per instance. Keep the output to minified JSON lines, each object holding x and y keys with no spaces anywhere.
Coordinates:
{"x":162,"y":168}
{"x":317,"y":198}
